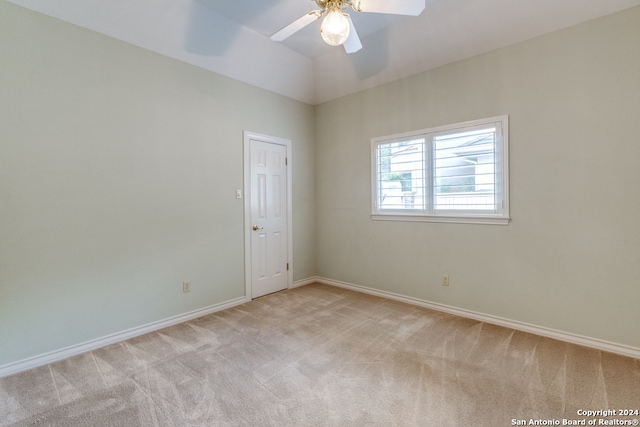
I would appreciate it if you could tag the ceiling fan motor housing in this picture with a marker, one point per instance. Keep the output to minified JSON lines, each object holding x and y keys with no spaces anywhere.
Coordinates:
{"x":325,"y":4}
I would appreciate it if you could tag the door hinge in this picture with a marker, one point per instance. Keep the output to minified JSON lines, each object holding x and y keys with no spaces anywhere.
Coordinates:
{"x":287,"y":266}
{"x":286,"y":161}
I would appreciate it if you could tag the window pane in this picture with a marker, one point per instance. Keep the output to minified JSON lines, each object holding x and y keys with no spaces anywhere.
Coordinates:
{"x":456,"y":173}
{"x":400,"y":174}
{"x":464,"y":170}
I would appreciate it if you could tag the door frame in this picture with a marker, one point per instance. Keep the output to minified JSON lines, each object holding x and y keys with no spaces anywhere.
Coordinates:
{"x":247,"y":137}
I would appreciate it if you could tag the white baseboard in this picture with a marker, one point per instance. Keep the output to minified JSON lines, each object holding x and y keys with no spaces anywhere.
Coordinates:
{"x":56,"y":355}
{"x":595,"y":343}
{"x":304,"y":282}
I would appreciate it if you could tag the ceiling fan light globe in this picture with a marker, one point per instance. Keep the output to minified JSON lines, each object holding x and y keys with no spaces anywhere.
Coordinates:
{"x":335,"y":28}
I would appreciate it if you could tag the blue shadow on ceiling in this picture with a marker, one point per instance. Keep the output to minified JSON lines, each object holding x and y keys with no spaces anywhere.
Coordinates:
{"x":374,"y":55}
{"x":211,"y":33}
{"x":208,"y":33}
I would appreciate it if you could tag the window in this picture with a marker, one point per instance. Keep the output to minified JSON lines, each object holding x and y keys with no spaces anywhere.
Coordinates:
{"x":455,"y":173}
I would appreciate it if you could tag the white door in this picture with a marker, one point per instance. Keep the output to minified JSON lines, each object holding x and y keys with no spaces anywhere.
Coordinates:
{"x":268,"y":211}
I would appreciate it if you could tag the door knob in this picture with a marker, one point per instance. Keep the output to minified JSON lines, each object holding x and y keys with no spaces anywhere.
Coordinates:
{"x":256,"y":228}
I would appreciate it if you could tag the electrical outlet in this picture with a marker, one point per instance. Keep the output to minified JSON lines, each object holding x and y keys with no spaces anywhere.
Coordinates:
{"x":445,"y":280}
{"x":238,"y":194}
{"x":186,"y":286}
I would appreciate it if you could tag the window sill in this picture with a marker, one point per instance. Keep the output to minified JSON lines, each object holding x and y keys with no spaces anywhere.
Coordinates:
{"x":444,"y":218}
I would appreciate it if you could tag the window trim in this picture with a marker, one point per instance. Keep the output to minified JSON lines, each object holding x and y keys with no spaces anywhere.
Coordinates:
{"x":502,"y":166}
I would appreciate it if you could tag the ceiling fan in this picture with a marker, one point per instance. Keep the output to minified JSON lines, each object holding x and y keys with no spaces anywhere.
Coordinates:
{"x":337,"y":28}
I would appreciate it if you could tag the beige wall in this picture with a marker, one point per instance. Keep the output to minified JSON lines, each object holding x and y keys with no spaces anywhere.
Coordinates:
{"x":570,"y":259}
{"x":118,"y":170}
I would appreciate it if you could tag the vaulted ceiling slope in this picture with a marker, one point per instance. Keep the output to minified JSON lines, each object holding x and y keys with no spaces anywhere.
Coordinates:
{"x":231,"y":37}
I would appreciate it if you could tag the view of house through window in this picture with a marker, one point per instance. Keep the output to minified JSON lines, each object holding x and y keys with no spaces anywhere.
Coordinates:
{"x":454,"y":171}
{"x":464,"y":168}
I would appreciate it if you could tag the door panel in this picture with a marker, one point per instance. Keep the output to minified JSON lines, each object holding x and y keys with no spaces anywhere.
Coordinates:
{"x":268,"y":211}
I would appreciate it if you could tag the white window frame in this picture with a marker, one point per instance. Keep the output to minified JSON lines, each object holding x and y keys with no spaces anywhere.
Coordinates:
{"x":499,"y":216}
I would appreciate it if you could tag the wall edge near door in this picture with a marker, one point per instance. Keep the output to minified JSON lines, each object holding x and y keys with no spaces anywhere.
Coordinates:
{"x":63,"y":353}
{"x":595,"y":343}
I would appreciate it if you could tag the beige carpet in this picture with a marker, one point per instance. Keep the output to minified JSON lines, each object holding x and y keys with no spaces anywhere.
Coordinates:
{"x":323,"y":356}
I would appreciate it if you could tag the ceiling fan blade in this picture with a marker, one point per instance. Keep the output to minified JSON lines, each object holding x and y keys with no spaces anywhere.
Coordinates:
{"x":397,"y":7}
{"x":296,"y":25}
{"x":352,"y":44}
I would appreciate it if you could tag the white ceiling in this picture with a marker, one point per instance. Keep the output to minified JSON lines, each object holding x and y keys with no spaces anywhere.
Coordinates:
{"x":231,"y":37}
{"x":267,"y":17}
